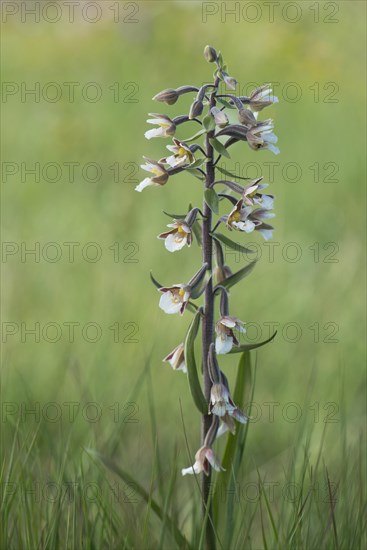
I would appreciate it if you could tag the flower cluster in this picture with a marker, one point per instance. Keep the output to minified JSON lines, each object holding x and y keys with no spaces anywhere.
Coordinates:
{"x":250,"y":207}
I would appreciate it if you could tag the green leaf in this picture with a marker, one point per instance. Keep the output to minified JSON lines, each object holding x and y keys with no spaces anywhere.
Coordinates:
{"x":225,"y":103}
{"x":238,"y":276}
{"x":219,"y":147}
{"x":211,"y":199}
{"x":196,"y":229}
{"x":231,"y":244}
{"x":223,"y":171}
{"x":130,"y":481}
{"x":176,"y":216}
{"x":154,"y":281}
{"x":195,"y":172}
{"x":209,"y":122}
{"x":248,"y":347}
{"x":197,"y":163}
{"x":192,"y":373}
{"x":192,"y":138}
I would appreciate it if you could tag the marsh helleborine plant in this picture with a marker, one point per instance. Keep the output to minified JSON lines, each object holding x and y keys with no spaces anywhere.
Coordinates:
{"x":248,"y":209}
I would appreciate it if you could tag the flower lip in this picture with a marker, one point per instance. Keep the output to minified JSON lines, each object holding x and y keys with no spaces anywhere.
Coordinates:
{"x":204,"y":458}
{"x":226,"y":338}
{"x":174,"y":299}
{"x":222,"y":405}
{"x":179,"y":236}
{"x":160,"y":176}
{"x":182,"y":154}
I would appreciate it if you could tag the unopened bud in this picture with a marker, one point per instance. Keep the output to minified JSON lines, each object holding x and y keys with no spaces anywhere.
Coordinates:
{"x":210,"y":54}
{"x":245,"y":116}
{"x":230,"y":81}
{"x":220,"y":117}
{"x":196,"y":109}
{"x":169,"y":96}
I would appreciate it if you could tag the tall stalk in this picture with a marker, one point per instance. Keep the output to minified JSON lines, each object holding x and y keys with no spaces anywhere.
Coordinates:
{"x":249,"y":211}
{"x":208,"y":318}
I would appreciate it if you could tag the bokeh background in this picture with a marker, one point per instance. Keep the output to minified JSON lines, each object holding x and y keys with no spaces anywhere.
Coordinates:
{"x":315,"y":55}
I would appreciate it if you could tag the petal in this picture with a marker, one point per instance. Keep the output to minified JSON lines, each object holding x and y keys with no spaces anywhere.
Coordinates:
{"x":247,"y":226}
{"x":273,"y":149}
{"x":223,"y":344}
{"x":173,"y":242}
{"x":228,"y":322}
{"x":182,"y":367}
{"x":266,"y":233}
{"x":143,"y":184}
{"x":270,"y":137}
{"x":267,"y":202}
{"x":239,"y":416}
{"x":154,"y":132}
{"x":168,"y":304}
{"x":148,"y":167}
{"x":219,"y":409}
{"x":195,"y":469}
{"x":172,"y":161}
{"x":223,"y":428}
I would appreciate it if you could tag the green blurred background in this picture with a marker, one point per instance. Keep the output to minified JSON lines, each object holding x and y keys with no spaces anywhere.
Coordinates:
{"x":320,"y":71}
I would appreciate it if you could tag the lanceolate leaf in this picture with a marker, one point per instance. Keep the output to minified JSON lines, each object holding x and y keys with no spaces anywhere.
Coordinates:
{"x":219,"y":147}
{"x":209,"y":123}
{"x":227,"y":173}
{"x":131,"y":482}
{"x":197,"y":163}
{"x":225,"y":103}
{"x":231,"y":244}
{"x":192,"y":373}
{"x":175,"y":216}
{"x":192,"y":138}
{"x":238,"y":276}
{"x":248,"y":347}
{"x":195,"y":172}
{"x":211,"y":199}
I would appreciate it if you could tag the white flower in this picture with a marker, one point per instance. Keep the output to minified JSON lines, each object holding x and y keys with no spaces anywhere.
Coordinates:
{"x":262,"y":97}
{"x":258,"y":215}
{"x":261,"y":136}
{"x":203,"y":458}
{"x":238,"y":218}
{"x":181,"y":154}
{"x":177,"y":358}
{"x":160,"y":175}
{"x":225,"y":336}
{"x":174,"y":299}
{"x":221,"y":404}
{"x":252,"y":196}
{"x":177,"y":237}
{"x":226,"y":425}
{"x":166,"y":126}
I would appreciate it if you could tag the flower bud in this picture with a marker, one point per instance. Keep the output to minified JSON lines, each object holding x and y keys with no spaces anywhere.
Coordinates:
{"x":196,"y":109}
{"x":230,"y":81}
{"x":210,"y":54}
{"x":220,"y":117}
{"x":169,"y":96}
{"x":245,"y":116}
